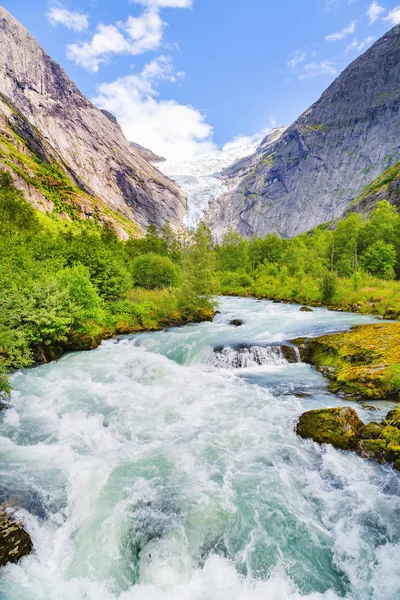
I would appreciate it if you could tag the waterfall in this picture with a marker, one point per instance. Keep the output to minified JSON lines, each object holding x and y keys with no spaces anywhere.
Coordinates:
{"x":245,"y":357}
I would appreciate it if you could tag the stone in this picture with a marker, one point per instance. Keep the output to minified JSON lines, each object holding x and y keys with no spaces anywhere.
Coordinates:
{"x":336,"y":426}
{"x":371,"y":431}
{"x":236,"y":322}
{"x":40,"y":104}
{"x":311,"y":172}
{"x":393,"y":418}
{"x":290,"y":353}
{"x":397,"y":465}
{"x":372,"y":449}
{"x":15,"y":542}
{"x":306,"y":309}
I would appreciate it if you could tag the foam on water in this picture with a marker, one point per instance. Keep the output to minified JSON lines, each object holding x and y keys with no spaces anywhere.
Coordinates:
{"x":144,"y":476}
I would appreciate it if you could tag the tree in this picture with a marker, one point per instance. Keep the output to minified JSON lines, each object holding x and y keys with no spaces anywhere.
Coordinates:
{"x":233,"y":252}
{"x":152,"y":271}
{"x":328,"y":287}
{"x":199,"y":282}
{"x":380,"y":260}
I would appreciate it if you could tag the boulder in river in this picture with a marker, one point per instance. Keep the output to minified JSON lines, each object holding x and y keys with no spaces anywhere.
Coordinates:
{"x":336,"y":426}
{"x":15,"y":542}
{"x":306,"y":309}
{"x":236,"y":322}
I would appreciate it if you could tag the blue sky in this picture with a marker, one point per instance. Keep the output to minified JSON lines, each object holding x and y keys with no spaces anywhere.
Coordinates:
{"x":185,"y":76}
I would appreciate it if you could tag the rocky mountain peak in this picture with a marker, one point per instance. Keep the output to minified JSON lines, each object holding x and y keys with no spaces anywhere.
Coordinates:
{"x":89,"y":145}
{"x":318,"y":165}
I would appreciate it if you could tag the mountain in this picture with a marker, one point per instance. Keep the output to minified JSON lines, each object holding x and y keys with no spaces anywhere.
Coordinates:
{"x":66,"y":154}
{"x":349,"y":137}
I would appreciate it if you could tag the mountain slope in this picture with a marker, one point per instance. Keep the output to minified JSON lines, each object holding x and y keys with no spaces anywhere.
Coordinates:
{"x":44,"y":118}
{"x":319,"y":165}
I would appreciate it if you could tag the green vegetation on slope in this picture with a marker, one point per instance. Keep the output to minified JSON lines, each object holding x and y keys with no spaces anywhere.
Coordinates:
{"x":355,"y":267}
{"x":68,"y":285}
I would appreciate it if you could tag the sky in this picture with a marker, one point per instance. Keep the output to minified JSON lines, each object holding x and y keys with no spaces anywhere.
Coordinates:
{"x":186,"y":77}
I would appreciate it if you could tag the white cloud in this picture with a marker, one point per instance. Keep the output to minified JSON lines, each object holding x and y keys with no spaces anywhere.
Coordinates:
{"x":340,"y":35}
{"x":135,"y":36}
{"x":176,"y":131}
{"x":359,"y":46}
{"x":73,"y":20}
{"x":297,"y":57}
{"x":374,"y":11}
{"x":394,"y":16}
{"x":315,"y":69}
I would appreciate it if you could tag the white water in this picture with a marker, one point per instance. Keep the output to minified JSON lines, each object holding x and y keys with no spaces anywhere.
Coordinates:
{"x":200,"y":178}
{"x":144,"y":475}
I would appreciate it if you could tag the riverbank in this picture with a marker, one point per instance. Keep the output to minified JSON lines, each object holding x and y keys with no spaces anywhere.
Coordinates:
{"x":363,"y":294}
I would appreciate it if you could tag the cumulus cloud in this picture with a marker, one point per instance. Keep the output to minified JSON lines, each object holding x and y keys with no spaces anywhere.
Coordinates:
{"x":394,"y":16}
{"x":297,"y":57}
{"x":359,"y":46}
{"x":343,"y":33}
{"x":76,"y":21}
{"x":133,"y":37}
{"x":173,"y":130}
{"x":374,"y":11}
{"x":315,"y":69}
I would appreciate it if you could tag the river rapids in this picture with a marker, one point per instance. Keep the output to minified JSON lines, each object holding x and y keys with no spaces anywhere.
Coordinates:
{"x":148,"y":470}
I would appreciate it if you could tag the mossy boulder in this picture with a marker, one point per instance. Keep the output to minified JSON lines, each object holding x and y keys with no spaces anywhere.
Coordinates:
{"x":236,"y":322}
{"x":15,"y":542}
{"x":371,"y":431}
{"x":375,"y":449}
{"x":397,"y":465}
{"x":306,"y":309}
{"x":336,"y":426}
{"x":391,"y":434}
{"x":363,"y":363}
{"x":393,"y":418}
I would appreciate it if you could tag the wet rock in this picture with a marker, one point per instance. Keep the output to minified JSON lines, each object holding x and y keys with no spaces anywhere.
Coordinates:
{"x":328,"y":372}
{"x":336,"y":426}
{"x":393,"y":418}
{"x":372,"y":431}
{"x":375,"y":449}
{"x":15,"y":542}
{"x":236,"y":322}
{"x":397,"y":465}
{"x":306,"y":309}
{"x":290,"y":353}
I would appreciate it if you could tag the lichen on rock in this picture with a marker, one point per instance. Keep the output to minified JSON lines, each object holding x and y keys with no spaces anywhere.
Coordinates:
{"x":336,"y":426}
{"x":15,"y":542}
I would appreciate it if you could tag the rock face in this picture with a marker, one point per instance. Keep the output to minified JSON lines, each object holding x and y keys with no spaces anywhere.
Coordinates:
{"x":44,"y":117}
{"x":336,"y":426}
{"x":15,"y":543}
{"x":349,"y":137}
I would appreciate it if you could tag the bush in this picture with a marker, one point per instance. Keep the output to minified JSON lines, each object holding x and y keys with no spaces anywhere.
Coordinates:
{"x":151,"y":271}
{"x":328,"y":287}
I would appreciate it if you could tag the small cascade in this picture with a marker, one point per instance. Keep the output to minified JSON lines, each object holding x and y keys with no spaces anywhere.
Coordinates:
{"x":244,"y":357}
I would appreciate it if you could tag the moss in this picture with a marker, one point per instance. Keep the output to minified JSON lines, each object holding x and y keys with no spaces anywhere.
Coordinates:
{"x":375,"y":449}
{"x":15,"y":543}
{"x":363,"y":362}
{"x":397,"y":465}
{"x":372,"y":431}
{"x":391,"y":434}
{"x":336,"y":426}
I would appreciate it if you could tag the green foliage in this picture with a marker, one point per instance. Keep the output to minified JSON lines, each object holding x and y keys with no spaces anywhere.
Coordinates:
{"x":67,"y":285}
{"x":328,"y":287}
{"x":379,"y":259}
{"x":152,"y":271}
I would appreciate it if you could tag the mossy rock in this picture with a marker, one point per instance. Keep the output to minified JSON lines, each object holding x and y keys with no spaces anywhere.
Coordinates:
{"x":391,"y":434}
{"x":397,"y":465}
{"x":392,"y":452}
{"x":15,"y":542}
{"x":371,"y":431}
{"x":306,"y":309}
{"x":336,"y":426}
{"x":393,"y":418}
{"x":375,"y":449}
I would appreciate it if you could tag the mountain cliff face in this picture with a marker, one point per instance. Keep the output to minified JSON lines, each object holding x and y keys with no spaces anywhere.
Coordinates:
{"x":321,"y":163}
{"x":67,"y":154}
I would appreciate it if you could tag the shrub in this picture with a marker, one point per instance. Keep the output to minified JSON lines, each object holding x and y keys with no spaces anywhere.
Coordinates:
{"x":151,"y":271}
